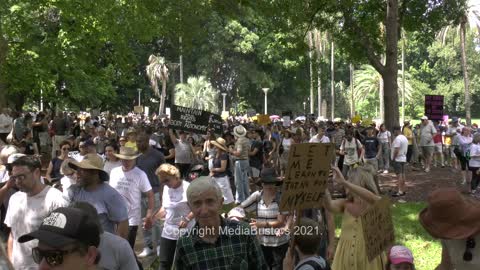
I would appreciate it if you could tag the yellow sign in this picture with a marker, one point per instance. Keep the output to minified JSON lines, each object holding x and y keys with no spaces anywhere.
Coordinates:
{"x":307,"y":174}
{"x":225,"y":115}
{"x":378,"y":228}
{"x":356,"y":119}
{"x":263,"y":119}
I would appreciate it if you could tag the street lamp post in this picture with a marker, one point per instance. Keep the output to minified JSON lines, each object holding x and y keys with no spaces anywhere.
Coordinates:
{"x":139,"y":91}
{"x":265,"y":90}
{"x":305,"y":107}
{"x":224,"y":95}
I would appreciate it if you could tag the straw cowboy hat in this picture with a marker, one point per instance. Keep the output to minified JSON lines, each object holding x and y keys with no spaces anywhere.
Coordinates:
{"x":239,"y":131}
{"x":127,"y":153}
{"x":89,"y":162}
{"x":450,"y":216}
{"x":220,"y":143}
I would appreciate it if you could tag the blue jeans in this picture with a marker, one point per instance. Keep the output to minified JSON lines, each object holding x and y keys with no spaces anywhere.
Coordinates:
{"x":151,"y":237}
{"x":242,"y":167}
{"x":384,"y":161}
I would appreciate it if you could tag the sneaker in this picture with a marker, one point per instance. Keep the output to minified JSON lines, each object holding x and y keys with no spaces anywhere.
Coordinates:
{"x":385,"y":172}
{"x":427,"y":170}
{"x":146,"y":252}
{"x":399,"y":194}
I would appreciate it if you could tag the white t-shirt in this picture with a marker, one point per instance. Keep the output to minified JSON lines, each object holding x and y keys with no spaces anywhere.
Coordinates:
{"x":383,"y":137}
{"x":66,"y":182}
{"x":174,"y":201}
{"x":350,"y":149}
{"x":400,"y":142}
{"x":286,"y":143}
{"x":131,"y":185}
{"x":315,"y":139}
{"x":24,"y":215}
{"x":474,"y":156}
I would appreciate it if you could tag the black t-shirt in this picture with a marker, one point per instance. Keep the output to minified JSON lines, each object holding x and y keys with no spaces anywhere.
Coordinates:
{"x":217,"y":163}
{"x":371,"y":147}
{"x":256,"y":160}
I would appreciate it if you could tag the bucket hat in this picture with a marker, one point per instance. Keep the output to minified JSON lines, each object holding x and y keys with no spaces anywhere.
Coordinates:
{"x":90,"y":162}
{"x":239,"y":131}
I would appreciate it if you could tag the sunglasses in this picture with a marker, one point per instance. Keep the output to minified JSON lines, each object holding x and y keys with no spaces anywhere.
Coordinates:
{"x":52,"y":257}
{"x":468,"y":256}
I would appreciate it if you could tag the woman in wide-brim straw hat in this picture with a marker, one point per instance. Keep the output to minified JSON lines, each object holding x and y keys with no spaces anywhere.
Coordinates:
{"x":220,"y":172}
{"x":456,"y":221}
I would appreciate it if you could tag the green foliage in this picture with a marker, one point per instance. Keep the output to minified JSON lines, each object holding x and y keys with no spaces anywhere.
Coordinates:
{"x":197,"y":93}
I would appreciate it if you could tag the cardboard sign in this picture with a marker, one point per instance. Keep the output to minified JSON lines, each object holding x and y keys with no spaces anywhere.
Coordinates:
{"x":216,"y":123}
{"x":286,"y":121}
{"x":188,"y":119}
{"x":434,"y":107}
{"x":356,"y":119}
{"x":263,"y":119}
{"x":225,"y":115}
{"x":306,"y":176}
{"x":378,"y":228}
{"x":138,"y":109}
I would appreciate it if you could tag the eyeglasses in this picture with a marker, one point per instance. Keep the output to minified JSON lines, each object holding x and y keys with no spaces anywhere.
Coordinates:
{"x":52,"y":257}
{"x":468,"y":256}
{"x":19,"y":177}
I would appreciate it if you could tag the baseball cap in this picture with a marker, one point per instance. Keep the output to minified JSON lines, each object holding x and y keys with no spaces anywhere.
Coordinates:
{"x":400,"y":254}
{"x":424,"y":117}
{"x":65,"y":226}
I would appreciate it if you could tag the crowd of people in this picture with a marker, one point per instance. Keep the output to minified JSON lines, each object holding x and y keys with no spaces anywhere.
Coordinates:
{"x":76,"y":191}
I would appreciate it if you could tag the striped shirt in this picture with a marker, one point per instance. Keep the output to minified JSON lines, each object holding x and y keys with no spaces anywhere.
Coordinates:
{"x":266,"y":236}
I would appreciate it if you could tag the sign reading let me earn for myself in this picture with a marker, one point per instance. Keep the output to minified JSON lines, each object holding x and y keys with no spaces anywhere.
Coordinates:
{"x":306,"y":175}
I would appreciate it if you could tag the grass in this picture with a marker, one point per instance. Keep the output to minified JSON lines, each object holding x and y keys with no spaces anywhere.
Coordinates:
{"x":410,"y":233}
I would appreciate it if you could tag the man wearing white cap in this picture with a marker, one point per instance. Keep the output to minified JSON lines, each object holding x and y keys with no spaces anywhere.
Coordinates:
{"x":427,"y":131}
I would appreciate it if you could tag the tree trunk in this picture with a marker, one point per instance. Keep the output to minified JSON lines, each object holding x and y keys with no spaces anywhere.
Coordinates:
{"x":352,"y":87}
{"x":465,"y":73}
{"x":332,"y":84}
{"x":310,"y":56}
{"x":319,"y":84}
{"x":381,"y":98}
{"x":3,"y":56}
{"x":161,"y":109}
{"x":390,"y":73}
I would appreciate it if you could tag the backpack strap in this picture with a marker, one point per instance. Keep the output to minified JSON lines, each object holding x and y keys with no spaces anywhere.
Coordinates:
{"x":314,"y":264}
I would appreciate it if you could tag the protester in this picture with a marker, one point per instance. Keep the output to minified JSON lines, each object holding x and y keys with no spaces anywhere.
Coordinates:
{"x":220,"y":172}
{"x":100,"y":140}
{"x":399,"y":157}
{"x":131,"y":182}
{"x":116,"y":252}
{"x":60,"y":127}
{"x":67,"y":240}
{"x":149,"y":160}
{"x":208,"y":247}
{"x":131,"y":138}
{"x":408,"y":133}
{"x":454,"y":220}
{"x":427,"y":132}
{"x":385,"y":138}
{"x":111,"y":161}
{"x":284,"y":151}
{"x":255,"y":154}
{"x":361,"y":193}
{"x":474,"y":164}
{"x":27,"y":208}
{"x":463,"y":154}
{"x":352,"y":150}
{"x":208,"y":149}
{"x":92,"y":187}
{"x":306,"y":247}
{"x":53,"y":170}
{"x":183,"y":152}
{"x":373,"y":148}
{"x":320,"y":136}
{"x":242,"y":166}
{"x":175,"y":211}
{"x":265,"y":205}
{"x":400,"y":258}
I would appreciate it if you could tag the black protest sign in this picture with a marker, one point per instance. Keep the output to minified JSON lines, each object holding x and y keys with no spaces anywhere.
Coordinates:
{"x":434,"y":107}
{"x":306,"y":176}
{"x":378,"y":228}
{"x":188,"y":119}
{"x":216,"y":123}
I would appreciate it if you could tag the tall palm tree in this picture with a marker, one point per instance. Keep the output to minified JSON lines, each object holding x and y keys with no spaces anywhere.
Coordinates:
{"x":321,"y":41}
{"x":469,"y":19}
{"x":157,"y":70}
{"x":197,"y":93}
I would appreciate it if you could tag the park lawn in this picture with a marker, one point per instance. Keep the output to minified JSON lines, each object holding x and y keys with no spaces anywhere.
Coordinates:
{"x":410,"y":233}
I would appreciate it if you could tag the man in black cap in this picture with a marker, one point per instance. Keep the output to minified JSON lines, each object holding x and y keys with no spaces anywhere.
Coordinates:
{"x":67,"y":239}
